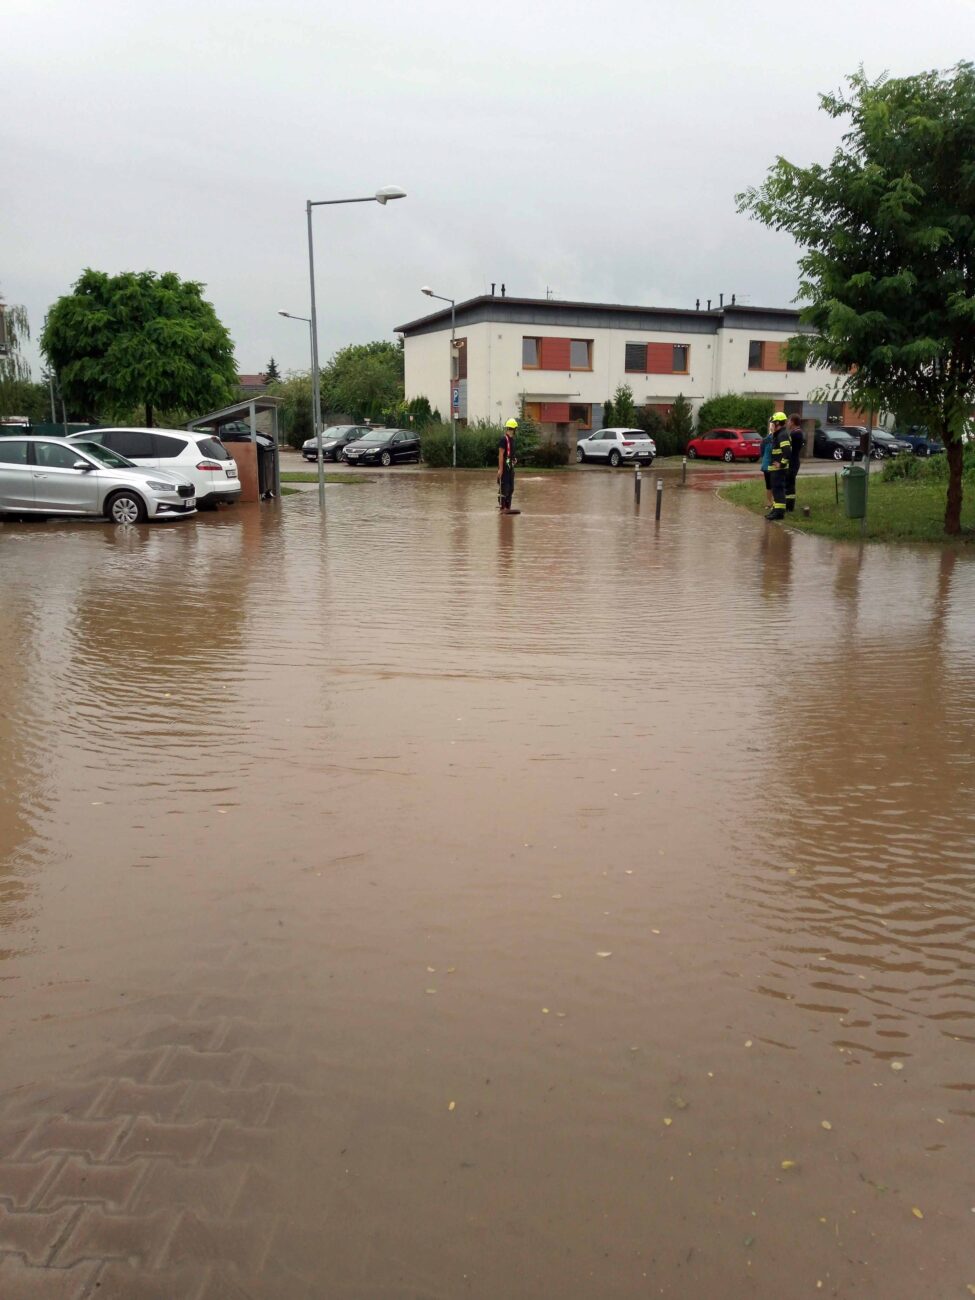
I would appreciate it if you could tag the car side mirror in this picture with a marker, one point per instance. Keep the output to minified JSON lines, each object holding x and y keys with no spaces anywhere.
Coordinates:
{"x":82,"y":464}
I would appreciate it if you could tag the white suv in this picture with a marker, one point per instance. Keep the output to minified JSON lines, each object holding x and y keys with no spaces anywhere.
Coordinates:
{"x":200,"y":457}
{"x":615,"y":445}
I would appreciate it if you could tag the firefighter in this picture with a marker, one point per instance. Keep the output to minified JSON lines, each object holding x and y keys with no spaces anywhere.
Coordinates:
{"x":779,"y":464}
{"x":797,"y":440}
{"x":506,"y":467}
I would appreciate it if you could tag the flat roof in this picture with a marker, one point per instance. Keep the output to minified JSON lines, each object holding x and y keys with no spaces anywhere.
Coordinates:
{"x":493,"y":307}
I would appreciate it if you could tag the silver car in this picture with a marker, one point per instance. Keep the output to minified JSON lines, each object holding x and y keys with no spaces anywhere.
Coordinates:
{"x":52,"y":476}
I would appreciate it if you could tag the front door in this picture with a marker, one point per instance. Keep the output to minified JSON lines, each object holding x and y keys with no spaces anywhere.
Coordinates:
{"x":16,"y":475}
{"x":58,"y":486}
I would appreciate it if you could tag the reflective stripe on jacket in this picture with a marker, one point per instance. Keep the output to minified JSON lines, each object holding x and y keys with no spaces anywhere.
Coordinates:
{"x":781,"y":448}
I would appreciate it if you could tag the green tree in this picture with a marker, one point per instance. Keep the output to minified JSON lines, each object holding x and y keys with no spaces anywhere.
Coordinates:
{"x":272,"y":374}
{"x":680,"y":421}
{"x":139,"y":339}
{"x":609,"y":415}
{"x":363,"y":380}
{"x":735,"y":411}
{"x":295,"y":412}
{"x":624,"y":409}
{"x":887,"y":230}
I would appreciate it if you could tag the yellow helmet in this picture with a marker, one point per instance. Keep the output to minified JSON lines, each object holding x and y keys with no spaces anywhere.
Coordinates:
{"x":513,"y":424}
{"x":780,"y":415}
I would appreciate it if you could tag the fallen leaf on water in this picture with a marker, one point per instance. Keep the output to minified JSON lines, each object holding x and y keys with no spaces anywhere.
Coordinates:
{"x":668,"y":1122}
{"x":897,"y":1065}
{"x":544,"y":1011}
{"x":748,"y":1042}
{"x":791,"y":1164}
{"x":556,"y":895}
{"x":451,"y":969}
{"x":749,"y":1241}
{"x":97,"y":803}
{"x":429,"y":990}
{"x":628,"y":872}
{"x":654,"y":931}
{"x":431,"y":970}
{"x":916,"y":1212}
{"x":604,"y":954}
{"x":452,"y":1105}
{"x":826,"y":1124}
{"x":970,"y":1288}
{"x":679,"y":1102}
{"x":560,"y":1014}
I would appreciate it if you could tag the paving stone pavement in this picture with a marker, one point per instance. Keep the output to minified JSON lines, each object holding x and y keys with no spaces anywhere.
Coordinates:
{"x":150,"y":1177}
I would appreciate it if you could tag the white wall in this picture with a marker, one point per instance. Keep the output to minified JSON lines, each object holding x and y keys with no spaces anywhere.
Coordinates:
{"x":718,"y":363}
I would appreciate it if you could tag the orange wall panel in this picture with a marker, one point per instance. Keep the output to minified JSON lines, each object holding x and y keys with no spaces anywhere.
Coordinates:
{"x":660,"y":358}
{"x":773,"y":356}
{"x":555,"y":412}
{"x":555,"y":354}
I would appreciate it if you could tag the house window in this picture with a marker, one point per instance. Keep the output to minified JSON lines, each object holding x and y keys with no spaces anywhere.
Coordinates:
{"x":636,"y":358}
{"x":755,"y":355}
{"x":580,"y":354}
{"x":530,"y":349}
{"x":682,"y":354}
{"x":581,"y":415}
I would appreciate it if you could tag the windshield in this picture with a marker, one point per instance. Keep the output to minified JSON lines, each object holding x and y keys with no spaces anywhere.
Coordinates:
{"x":374,"y":435}
{"x":107,"y":457}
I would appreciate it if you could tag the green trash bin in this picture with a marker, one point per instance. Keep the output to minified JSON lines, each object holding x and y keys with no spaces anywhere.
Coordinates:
{"x":854,"y":492}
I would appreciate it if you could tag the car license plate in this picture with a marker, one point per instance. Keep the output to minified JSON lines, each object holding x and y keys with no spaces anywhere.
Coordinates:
{"x":232,"y":473}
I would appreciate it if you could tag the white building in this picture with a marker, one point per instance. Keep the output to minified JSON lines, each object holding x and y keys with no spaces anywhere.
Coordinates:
{"x":562,"y":360}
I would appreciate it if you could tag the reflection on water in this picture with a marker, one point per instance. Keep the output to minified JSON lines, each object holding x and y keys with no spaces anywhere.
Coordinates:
{"x":532,"y":887}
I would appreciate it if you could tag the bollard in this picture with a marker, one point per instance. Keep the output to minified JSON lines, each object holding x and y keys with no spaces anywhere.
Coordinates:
{"x":805,"y":512}
{"x":636,"y":487}
{"x":660,"y":497}
{"x":683,"y":471}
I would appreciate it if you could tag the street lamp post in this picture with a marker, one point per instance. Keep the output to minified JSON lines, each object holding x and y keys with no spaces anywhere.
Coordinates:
{"x":307,"y":320}
{"x":453,"y":352}
{"x":382,"y":197}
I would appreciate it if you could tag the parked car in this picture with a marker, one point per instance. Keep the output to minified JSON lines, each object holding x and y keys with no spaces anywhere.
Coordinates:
{"x":882,"y":443}
{"x":726,"y":444}
{"x":835,"y":444}
{"x":616,"y":445}
{"x":382,"y":447}
{"x":61,"y":476}
{"x":200,"y":457}
{"x":919,"y":441}
{"x":334,"y":440}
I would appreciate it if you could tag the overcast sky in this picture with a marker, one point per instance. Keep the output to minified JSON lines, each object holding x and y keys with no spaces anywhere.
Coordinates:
{"x":593,"y":149}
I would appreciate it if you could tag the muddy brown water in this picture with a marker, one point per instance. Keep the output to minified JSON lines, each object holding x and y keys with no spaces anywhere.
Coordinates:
{"x":424,"y":904}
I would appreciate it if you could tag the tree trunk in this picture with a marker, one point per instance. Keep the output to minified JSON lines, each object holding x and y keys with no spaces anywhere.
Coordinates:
{"x":149,"y":423}
{"x":953,"y":450}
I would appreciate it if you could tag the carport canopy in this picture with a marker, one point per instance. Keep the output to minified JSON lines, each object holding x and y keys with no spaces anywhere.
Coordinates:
{"x":246,"y":411}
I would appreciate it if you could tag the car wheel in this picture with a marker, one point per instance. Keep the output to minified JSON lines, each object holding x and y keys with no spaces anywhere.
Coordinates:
{"x":126,"y":508}
{"x":385,"y":459}
{"x":878,"y":453}
{"x":837,"y":453}
{"x":580,"y":456}
{"x":729,"y":456}
{"x":692,"y":453}
{"x":614,"y":458}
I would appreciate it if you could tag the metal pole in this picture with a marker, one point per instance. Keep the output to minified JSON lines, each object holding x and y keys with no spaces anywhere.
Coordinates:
{"x":50,"y":384}
{"x":866,"y":481}
{"x":683,"y":470}
{"x":453,"y":355}
{"x":316,"y":413}
{"x":660,"y":497}
{"x":636,"y":487}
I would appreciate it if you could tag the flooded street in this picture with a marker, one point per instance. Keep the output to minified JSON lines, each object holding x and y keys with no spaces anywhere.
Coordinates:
{"x":426,"y":904}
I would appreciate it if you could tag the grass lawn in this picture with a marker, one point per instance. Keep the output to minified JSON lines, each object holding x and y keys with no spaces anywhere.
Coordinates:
{"x":896,"y":512}
{"x":298,"y":476}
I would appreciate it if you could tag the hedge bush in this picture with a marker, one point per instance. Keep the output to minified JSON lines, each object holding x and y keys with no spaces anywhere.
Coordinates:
{"x":732,"y":410}
{"x":477,"y":447}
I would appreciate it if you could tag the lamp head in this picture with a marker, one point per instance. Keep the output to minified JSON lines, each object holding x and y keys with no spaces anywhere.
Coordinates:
{"x":389,"y":192}
{"x":283,"y":313}
{"x":427,"y":290}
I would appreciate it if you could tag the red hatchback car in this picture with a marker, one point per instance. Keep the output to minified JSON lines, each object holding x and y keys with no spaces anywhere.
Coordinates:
{"x":726,"y":444}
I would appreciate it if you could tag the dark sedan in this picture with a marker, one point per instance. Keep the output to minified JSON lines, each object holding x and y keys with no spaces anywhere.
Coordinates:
{"x":382,"y":447}
{"x":334,"y":441}
{"x":882,"y":443}
{"x":835,"y":444}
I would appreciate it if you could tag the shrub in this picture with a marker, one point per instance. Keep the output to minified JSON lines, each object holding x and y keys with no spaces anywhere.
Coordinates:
{"x":733,"y":410}
{"x":609,"y":415}
{"x":624,"y":409}
{"x":547,"y":455}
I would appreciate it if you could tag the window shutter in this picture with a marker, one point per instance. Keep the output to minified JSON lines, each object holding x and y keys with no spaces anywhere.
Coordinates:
{"x":636,"y":358}
{"x":660,"y":358}
{"x":555,"y":354}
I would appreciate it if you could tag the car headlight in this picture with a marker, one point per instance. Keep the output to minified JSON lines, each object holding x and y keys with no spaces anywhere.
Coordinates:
{"x":161,"y":487}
